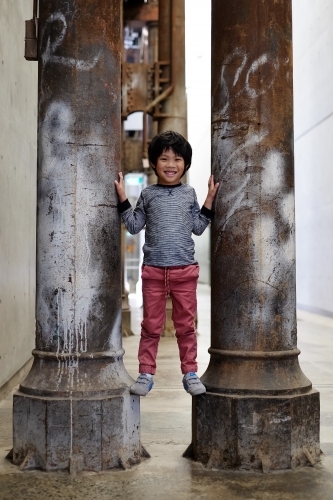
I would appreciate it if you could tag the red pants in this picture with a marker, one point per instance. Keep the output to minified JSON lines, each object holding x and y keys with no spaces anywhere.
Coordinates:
{"x":181,"y":284}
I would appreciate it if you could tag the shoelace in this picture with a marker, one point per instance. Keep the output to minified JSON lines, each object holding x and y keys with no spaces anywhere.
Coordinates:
{"x":192,"y":379}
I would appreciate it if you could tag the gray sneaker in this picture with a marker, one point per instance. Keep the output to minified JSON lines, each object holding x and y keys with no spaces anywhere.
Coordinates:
{"x":192,"y":384}
{"x":142,"y":386}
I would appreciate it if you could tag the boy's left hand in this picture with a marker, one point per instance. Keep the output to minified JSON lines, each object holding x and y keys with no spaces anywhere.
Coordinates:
{"x":212,"y":189}
{"x":120,"y":188}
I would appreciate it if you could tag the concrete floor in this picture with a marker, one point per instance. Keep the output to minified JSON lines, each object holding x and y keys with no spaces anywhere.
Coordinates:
{"x":166,"y":432}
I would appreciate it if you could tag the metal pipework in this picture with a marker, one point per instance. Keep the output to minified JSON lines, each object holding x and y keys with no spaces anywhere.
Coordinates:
{"x":260,"y":411}
{"x":172,"y":48}
{"x":74,"y":409}
{"x":164,"y":33}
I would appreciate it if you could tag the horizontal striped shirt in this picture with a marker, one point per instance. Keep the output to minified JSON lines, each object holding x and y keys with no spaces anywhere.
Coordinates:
{"x":170,"y":214}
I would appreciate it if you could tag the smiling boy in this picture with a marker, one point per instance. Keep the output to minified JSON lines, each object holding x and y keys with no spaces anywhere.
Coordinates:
{"x":170,"y":212}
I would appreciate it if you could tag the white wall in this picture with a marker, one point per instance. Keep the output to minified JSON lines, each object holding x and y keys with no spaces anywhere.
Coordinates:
{"x":18,"y":107}
{"x":198,"y":77}
{"x":313,"y":101}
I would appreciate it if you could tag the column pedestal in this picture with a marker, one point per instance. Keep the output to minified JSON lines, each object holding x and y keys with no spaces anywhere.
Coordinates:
{"x":259,"y":433}
{"x":126,"y":316}
{"x":75,"y":412}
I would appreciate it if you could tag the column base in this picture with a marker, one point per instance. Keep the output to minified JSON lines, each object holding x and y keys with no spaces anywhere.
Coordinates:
{"x":168,"y":328}
{"x":75,"y":412}
{"x":77,"y":434}
{"x":126,"y":323}
{"x":257,"y":433}
{"x":126,"y":317}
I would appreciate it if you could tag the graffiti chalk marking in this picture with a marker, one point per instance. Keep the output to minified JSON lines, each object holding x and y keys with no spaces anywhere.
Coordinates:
{"x":263,"y":59}
{"x":48,"y":56}
{"x":232,"y":80}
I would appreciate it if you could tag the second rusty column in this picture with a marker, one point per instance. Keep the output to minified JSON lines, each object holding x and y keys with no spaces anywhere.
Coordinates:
{"x":260,"y":411}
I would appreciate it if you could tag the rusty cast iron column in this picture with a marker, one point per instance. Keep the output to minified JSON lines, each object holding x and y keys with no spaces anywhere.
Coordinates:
{"x":164,"y":35}
{"x":171,"y":42}
{"x":260,"y":411}
{"x":74,"y":409}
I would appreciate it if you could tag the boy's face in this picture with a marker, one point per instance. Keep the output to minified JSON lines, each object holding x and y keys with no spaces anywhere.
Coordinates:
{"x":169,"y":168}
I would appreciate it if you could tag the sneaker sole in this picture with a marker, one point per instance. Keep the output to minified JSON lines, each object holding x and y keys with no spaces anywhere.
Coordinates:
{"x":197,"y":393}
{"x":137,"y":393}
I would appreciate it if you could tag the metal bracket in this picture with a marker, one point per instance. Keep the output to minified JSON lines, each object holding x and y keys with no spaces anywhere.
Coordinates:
{"x":31,"y":36}
{"x":142,"y":88}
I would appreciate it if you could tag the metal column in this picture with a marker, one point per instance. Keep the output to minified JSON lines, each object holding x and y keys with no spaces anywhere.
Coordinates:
{"x":172,"y":48}
{"x":74,"y":409}
{"x":260,"y":411}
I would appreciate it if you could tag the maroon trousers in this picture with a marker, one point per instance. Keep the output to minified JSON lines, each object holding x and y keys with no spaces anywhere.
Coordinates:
{"x":180,"y":283}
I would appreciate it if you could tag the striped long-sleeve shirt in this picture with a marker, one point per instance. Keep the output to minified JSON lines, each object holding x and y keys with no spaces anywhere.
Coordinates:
{"x":171,"y":214}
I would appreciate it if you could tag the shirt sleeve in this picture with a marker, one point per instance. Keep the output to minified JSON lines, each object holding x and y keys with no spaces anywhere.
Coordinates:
{"x":201,"y":217}
{"x":134,"y":220}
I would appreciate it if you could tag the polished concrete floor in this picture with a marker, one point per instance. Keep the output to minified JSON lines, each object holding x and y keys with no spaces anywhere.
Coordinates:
{"x":166,"y":432}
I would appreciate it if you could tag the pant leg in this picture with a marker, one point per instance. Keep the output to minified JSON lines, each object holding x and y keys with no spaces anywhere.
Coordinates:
{"x":154,"y":305}
{"x":183,"y":292}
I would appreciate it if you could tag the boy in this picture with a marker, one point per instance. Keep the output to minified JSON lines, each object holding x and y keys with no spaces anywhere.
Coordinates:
{"x":171,"y":213}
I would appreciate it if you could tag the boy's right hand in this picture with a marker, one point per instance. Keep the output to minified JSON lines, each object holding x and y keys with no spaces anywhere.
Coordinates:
{"x":120,"y":188}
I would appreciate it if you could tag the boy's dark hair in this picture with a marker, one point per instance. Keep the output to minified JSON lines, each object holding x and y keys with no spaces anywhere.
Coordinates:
{"x":170,"y":140}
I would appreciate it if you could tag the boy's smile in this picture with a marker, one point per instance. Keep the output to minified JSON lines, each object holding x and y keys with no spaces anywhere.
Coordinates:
{"x":169,"y":168}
